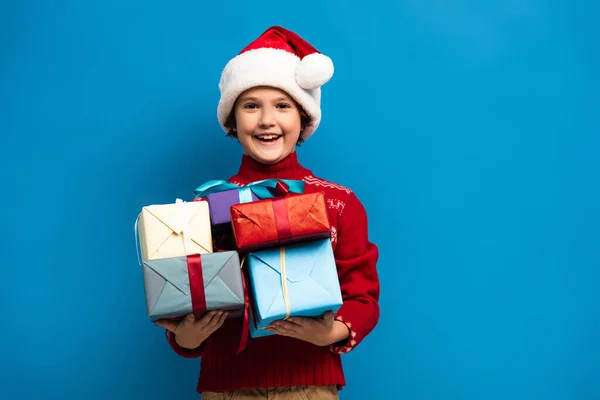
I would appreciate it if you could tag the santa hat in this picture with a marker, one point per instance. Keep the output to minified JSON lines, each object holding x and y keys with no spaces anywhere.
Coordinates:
{"x":282,"y":59}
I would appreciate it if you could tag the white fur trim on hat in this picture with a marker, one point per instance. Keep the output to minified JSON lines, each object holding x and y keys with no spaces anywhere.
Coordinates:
{"x":280,"y":69}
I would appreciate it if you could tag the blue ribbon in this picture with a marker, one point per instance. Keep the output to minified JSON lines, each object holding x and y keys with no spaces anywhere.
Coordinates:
{"x":264,"y":189}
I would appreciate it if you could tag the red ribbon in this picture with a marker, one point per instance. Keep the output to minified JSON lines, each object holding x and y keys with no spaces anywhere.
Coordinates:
{"x":282,"y":220}
{"x":246,"y":324}
{"x":194,"y":262}
{"x":281,"y":189}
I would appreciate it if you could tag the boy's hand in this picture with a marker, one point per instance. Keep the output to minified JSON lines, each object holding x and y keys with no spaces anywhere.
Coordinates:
{"x":318,"y":331}
{"x":189,"y":332}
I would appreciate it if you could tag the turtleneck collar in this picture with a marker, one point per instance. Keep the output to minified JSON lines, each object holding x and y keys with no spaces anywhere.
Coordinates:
{"x":288,"y":168}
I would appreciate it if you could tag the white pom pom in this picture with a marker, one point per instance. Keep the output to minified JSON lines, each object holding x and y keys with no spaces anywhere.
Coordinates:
{"x":314,"y":71}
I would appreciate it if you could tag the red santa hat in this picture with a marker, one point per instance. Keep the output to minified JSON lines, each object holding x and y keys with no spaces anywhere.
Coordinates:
{"x":282,"y":59}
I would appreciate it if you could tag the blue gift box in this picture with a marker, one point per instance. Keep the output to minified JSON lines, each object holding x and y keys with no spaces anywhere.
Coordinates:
{"x":295,"y":280}
{"x":254,"y":331}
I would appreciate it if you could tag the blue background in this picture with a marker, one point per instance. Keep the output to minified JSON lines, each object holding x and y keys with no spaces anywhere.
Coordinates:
{"x":468,"y":129}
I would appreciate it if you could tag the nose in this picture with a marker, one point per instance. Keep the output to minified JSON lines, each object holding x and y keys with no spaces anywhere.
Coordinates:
{"x":267,"y":118}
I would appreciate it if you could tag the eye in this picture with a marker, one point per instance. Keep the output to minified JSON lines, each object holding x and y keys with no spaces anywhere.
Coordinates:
{"x":284,"y":105}
{"x":251,"y":106}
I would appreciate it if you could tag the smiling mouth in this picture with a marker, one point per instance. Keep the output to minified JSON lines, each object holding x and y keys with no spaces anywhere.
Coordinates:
{"x":270,"y":138}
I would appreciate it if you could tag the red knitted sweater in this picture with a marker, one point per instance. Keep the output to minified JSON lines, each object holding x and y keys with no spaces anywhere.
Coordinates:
{"x":282,"y":361}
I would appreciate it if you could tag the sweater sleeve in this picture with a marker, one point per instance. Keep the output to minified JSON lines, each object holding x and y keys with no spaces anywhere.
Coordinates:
{"x":182,"y":351}
{"x":356,"y":259}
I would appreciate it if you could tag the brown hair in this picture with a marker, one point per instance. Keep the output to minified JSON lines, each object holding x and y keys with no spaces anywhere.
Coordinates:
{"x":230,"y":123}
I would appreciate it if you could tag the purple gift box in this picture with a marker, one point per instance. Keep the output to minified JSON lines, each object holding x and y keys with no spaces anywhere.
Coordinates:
{"x":219,"y":204}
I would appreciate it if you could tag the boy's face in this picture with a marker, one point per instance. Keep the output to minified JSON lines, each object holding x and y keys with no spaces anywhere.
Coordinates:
{"x":267,"y":124}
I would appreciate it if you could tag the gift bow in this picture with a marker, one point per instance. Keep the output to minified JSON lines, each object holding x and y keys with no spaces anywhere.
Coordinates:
{"x":264,"y":189}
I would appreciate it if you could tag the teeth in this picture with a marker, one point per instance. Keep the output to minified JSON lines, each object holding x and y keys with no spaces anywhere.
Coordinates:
{"x":268,"y":137}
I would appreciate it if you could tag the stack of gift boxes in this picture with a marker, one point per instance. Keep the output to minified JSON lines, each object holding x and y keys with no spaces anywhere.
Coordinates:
{"x":281,"y":263}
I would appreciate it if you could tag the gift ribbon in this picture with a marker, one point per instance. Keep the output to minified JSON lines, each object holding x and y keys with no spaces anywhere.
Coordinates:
{"x":283,"y":225}
{"x":246,"y":322}
{"x":194,"y":266}
{"x":284,"y":286}
{"x":138,"y":250}
{"x":282,"y":188}
{"x":282,"y":219}
{"x":245,"y":195}
{"x":264,"y":189}
{"x":181,"y":206}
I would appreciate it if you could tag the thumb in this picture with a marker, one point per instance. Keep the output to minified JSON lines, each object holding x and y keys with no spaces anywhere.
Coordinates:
{"x":328,"y":316}
{"x":168,"y":325}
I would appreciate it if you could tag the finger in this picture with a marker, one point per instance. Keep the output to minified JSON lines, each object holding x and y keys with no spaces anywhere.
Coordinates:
{"x":206,"y":319}
{"x":272,"y":329}
{"x":287,"y":328}
{"x":297,"y":321}
{"x":303,"y":323}
{"x":328,"y":318}
{"x":189,"y":319}
{"x":214,"y":322}
{"x":276,"y":330}
{"x":168,"y":325}
{"x":221,"y":320}
{"x":282,"y":331}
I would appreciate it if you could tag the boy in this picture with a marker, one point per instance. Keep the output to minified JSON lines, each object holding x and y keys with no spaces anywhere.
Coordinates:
{"x":270,"y":102}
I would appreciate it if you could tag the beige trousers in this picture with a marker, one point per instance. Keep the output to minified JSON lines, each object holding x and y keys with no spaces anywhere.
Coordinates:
{"x":283,"y":393}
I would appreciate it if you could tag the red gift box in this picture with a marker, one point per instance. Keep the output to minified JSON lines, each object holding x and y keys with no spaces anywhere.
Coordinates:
{"x":279,"y":221}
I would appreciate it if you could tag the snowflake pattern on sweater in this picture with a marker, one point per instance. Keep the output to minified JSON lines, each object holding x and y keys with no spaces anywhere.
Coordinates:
{"x":284,"y":361}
